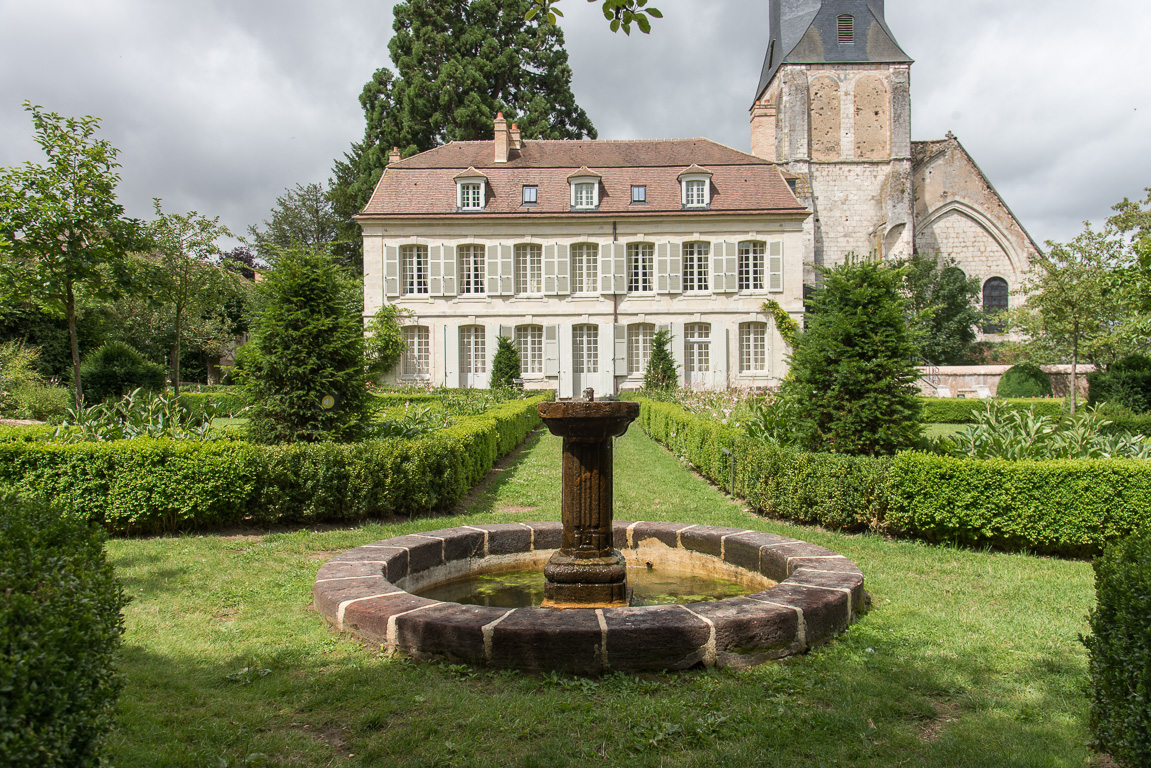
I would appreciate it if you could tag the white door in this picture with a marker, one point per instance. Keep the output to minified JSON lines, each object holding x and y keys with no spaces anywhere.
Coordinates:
{"x":473,"y":360}
{"x":585,"y":358}
{"x":697,"y":349}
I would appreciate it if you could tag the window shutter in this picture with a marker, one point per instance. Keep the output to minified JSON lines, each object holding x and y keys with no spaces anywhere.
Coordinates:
{"x":606,"y":267}
{"x":551,"y":350}
{"x":508,"y":331}
{"x":452,"y":376}
{"x":492,"y":257}
{"x":662,"y":268}
{"x":718,"y":283}
{"x":775,"y":266}
{"x":435,"y":270}
{"x":679,"y":351}
{"x":719,"y":358}
{"x":620,"y":349}
{"x":550,"y":288}
{"x":507,"y":271}
{"x":675,"y":268}
{"x":606,"y":361}
{"x":563,"y":269}
{"x":730,"y":267}
{"x":619,"y":267}
{"x":450,"y":270}
{"x":391,"y":271}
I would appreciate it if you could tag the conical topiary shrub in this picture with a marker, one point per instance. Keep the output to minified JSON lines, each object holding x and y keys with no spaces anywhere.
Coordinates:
{"x":116,"y":369}
{"x":1024,"y":380}
{"x":506,"y":365}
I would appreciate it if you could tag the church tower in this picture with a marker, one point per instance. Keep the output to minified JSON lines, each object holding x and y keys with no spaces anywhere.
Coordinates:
{"x":833,"y":109}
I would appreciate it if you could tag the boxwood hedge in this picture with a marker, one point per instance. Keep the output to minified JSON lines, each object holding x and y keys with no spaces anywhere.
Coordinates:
{"x":959,"y":410}
{"x":149,"y":485}
{"x":1069,"y":507}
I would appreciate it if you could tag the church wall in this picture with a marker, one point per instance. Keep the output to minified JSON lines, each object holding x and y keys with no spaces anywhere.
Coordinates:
{"x":850,"y":208}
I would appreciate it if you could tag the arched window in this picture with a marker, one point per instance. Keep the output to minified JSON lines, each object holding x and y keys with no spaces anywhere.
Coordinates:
{"x":417,"y":349}
{"x":471,"y":269}
{"x":529,"y":340}
{"x":752,"y":347}
{"x":994,"y":304}
{"x":584,"y":267}
{"x":529,"y":269}
{"x":639,"y":337}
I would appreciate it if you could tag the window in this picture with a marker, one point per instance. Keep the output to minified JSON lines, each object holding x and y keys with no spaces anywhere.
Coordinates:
{"x":695,"y":266}
{"x":472,"y":357}
{"x":471,"y":195}
{"x":638,"y":193}
{"x":417,"y":346}
{"x":639,"y":267}
{"x":694,"y":193}
{"x":695,"y":187}
{"x":414,"y":259}
{"x":994,"y":304}
{"x":584,"y":195}
{"x":639,"y":347}
{"x":585,"y":349}
{"x":471,"y":258}
{"x":752,"y":347}
{"x":529,"y":265}
{"x":584,"y":267}
{"x":529,"y":341}
{"x":846,"y":24}
{"x":697,"y":346}
{"x":531,"y":194}
{"x":751,"y":253}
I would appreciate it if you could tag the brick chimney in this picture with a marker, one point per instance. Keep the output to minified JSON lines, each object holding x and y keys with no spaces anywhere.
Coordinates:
{"x":502,"y":138}
{"x":763,"y":117}
{"x":394,"y":155}
{"x":517,"y":142}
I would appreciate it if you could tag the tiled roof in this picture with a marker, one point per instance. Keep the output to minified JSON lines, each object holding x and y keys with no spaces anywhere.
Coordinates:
{"x":424,"y":185}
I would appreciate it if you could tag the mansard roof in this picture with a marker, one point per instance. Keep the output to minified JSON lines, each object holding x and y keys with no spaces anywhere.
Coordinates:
{"x":807,"y":32}
{"x":422,"y":185}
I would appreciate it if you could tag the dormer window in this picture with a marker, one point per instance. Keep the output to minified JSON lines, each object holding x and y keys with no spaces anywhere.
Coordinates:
{"x":584,"y":190}
{"x":846,"y":24}
{"x":471,"y":186}
{"x":695,"y":187}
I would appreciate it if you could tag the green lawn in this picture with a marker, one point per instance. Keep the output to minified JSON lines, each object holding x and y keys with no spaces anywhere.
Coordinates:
{"x":966,"y":659}
{"x":943,"y":430}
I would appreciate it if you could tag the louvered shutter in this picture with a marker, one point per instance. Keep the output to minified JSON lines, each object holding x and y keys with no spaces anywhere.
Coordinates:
{"x":550,"y":285}
{"x":730,"y":267}
{"x":718,"y":285}
{"x":662,"y":268}
{"x":551,"y":350}
{"x":492,"y":257}
{"x":452,"y":373}
{"x":619,"y":267}
{"x":563,"y":270}
{"x":775,"y":266}
{"x":507,"y":271}
{"x":391,"y":271}
{"x":435,"y":270}
{"x":449,"y":260}
{"x":620,"y":349}
{"x":675,"y":268}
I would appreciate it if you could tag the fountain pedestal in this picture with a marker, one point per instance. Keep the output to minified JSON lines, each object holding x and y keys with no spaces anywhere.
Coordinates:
{"x":587,"y":571}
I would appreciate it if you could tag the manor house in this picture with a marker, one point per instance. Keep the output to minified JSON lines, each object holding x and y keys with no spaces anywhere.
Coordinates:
{"x":579,"y":251}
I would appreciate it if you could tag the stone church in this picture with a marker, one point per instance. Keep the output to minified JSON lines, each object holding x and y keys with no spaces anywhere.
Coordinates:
{"x":580,"y":251}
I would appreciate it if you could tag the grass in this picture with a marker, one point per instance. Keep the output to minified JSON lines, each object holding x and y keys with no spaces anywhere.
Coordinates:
{"x":968,"y":658}
{"x":943,"y":429}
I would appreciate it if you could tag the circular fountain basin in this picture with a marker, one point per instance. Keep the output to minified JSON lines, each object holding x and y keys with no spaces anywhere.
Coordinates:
{"x":809,"y":595}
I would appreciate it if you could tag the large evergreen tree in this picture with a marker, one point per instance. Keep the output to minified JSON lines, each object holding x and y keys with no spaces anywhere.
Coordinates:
{"x":852,"y":380}
{"x":458,"y":63}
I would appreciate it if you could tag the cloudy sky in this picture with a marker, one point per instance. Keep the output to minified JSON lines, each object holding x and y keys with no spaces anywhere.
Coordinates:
{"x":218,"y":105}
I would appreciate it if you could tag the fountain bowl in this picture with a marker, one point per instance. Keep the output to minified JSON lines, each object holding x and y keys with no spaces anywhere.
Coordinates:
{"x":816,"y":594}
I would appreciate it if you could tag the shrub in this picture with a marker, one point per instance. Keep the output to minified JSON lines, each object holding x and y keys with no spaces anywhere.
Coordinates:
{"x":225,"y":402}
{"x":307,"y":347}
{"x":661,"y":367}
{"x":140,"y":415}
{"x":385,"y":342}
{"x":1126,"y":383}
{"x":60,"y":628}
{"x":116,"y":369}
{"x":1024,"y":380}
{"x":1119,"y":649}
{"x":506,"y":364}
{"x":852,"y":379}
{"x":959,"y":410}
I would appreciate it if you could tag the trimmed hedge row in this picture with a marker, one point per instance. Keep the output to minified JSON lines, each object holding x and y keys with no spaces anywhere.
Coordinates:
{"x":60,"y":628}
{"x":960,"y":410}
{"x":1069,"y":507}
{"x":148,"y":486}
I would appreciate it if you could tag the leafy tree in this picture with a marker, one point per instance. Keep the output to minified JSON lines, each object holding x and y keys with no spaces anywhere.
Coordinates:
{"x":307,"y":345}
{"x":852,"y":380}
{"x":241,"y":261}
{"x":942,"y":308}
{"x":184,"y":275}
{"x":1075,"y":307}
{"x":1134,"y":221}
{"x":62,"y":233}
{"x":506,"y":363}
{"x":661,"y":367}
{"x":302,"y":216}
{"x":458,"y":63}
{"x":619,"y":13}
{"x":385,"y":344}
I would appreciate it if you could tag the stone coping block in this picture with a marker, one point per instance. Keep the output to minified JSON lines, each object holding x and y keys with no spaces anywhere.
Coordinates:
{"x":817,"y":595}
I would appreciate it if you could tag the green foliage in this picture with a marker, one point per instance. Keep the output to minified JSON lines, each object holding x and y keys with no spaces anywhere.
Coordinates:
{"x":1125,"y":383}
{"x":60,"y":224}
{"x":1024,"y":380}
{"x":384,"y":345}
{"x":302,"y":218}
{"x":1119,"y":648}
{"x":661,"y":368}
{"x":852,"y":379}
{"x":788,"y":328}
{"x":961,"y":410}
{"x":307,"y":344}
{"x":942,"y":308}
{"x":116,"y":369}
{"x":149,"y":485}
{"x":140,"y":414}
{"x":1001,"y":432}
{"x":459,"y":63}
{"x":60,"y":628}
{"x":506,"y":364}
{"x":412,"y":422}
{"x":620,"y":14}
{"x":226,"y":402}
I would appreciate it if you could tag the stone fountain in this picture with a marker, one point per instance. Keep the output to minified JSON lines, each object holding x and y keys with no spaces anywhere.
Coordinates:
{"x":800,"y":595}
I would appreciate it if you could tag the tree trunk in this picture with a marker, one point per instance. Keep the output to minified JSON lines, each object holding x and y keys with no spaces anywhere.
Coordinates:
{"x":176,"y":354}
{"x":1074,"y":368}
{"x":70,"y":312}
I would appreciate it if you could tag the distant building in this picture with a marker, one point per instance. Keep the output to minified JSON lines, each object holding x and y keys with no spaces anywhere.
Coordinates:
{"x":581,"y":250}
